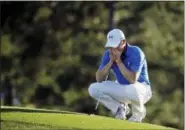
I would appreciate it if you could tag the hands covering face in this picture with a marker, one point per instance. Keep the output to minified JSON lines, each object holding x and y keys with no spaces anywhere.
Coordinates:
{"x":115,"y":55}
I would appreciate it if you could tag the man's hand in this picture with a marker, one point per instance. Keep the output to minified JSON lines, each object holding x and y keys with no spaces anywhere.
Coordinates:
{"x":101,"y":74}
{"x":112,"y":56}
{"x":117,"y":55}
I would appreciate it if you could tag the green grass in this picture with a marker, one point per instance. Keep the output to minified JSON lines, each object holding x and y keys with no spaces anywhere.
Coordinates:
{"x":27,"y":118}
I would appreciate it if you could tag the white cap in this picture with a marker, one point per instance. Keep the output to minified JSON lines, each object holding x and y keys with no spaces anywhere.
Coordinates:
{"x":114,"y":38}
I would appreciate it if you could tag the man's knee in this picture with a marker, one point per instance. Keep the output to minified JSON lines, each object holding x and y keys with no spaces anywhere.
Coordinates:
{"x":93,"y":89}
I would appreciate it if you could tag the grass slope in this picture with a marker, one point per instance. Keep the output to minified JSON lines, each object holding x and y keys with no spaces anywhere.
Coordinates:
{"x":28,"y":118}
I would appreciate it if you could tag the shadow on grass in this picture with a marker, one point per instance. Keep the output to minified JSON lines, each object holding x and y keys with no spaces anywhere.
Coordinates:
{"x":22,"y":123}
{"x":28,"y":125}
{"x":31,"y":110}
{"x":32,"y":126}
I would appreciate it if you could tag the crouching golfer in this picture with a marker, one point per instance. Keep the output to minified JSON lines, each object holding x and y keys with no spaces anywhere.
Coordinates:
{"x":132,"y":85}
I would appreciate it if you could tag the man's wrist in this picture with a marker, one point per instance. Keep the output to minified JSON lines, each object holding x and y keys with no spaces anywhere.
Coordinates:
{"x":111,"y":62}
{"x":118,"y":62}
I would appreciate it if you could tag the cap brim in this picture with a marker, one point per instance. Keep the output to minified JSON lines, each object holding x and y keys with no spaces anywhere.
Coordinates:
{"x":111,"y":44}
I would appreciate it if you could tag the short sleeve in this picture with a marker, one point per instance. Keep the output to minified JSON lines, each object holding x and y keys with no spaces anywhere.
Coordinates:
{"x":105,"y":59}
{"x":137,"y":60}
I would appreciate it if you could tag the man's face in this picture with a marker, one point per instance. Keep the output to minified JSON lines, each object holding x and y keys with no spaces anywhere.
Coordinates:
{"x":120,"y":47}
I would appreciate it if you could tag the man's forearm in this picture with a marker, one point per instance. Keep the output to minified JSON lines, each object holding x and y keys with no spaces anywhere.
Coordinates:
{"x":101,"y":74}
{"x":128,"y":74}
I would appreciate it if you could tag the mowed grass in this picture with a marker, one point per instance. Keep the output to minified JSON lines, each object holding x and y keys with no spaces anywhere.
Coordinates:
{"x":22,"y":118}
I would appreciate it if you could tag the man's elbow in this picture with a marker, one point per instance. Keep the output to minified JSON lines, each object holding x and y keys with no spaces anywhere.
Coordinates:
{"x":133,"y":80}
{"x":98,"y":78}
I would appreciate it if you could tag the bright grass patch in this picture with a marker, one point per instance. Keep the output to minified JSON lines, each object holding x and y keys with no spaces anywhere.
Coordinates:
{"x":25,"y":118}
